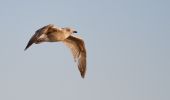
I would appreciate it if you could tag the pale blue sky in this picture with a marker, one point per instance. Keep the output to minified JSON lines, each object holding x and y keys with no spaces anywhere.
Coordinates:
{"x":127,"y":43}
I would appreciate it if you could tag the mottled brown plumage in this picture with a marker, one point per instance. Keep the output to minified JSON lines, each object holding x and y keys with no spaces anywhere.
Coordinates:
{"x":50,"y":33}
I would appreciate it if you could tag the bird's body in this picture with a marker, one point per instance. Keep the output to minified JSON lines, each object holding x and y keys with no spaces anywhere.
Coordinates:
{"x":50,"y":33}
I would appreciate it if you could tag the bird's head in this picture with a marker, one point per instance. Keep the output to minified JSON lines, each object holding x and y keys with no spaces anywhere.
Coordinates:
{"x":71,"y":30}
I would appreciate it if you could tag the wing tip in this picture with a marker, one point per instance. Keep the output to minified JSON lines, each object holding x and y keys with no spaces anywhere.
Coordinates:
{"x":83,"y":75}
{"x":82,"y":72}
{"x":25,"y":48}
{"x":28,"y":45}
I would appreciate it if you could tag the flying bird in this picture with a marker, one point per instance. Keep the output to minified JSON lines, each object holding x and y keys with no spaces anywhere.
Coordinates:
{"x":51,"y":33}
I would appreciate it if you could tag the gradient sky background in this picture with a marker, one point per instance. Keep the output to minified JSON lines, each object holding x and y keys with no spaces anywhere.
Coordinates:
{"x":127,"y":41}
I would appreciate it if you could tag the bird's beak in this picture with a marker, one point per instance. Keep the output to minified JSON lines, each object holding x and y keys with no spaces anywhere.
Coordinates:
{"x":74,"y":31}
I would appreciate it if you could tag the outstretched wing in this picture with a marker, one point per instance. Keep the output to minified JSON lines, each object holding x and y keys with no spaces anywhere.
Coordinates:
{"x":78,"y":50}
{"x":37,"y":34}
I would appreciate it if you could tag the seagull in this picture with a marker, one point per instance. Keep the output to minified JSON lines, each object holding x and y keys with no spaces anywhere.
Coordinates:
{"x":51,"y":33}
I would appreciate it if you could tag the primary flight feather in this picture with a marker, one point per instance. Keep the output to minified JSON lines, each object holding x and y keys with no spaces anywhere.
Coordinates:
{"x":51,"y":33}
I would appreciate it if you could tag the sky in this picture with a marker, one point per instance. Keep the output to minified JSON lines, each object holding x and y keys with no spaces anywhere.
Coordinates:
{"x":127,"y":42}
